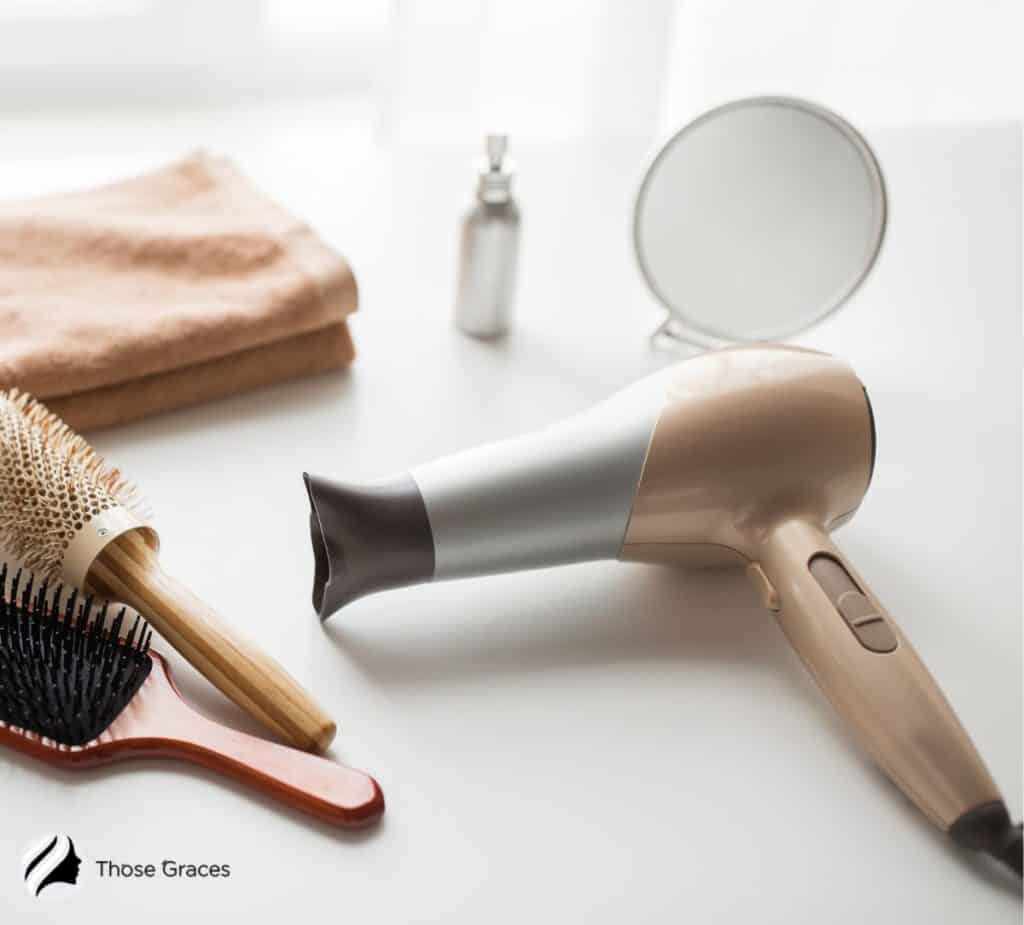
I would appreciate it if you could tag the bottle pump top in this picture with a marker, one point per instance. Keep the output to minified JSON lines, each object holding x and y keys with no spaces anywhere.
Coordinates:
{"x":495,"y":183}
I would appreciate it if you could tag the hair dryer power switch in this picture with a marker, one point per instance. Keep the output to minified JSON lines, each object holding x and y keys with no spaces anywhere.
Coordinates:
{"x":868,"y":625}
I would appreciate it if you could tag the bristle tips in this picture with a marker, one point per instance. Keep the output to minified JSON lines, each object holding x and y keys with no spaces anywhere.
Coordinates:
{"x":65,"y":671}
{"x":51,"y":482}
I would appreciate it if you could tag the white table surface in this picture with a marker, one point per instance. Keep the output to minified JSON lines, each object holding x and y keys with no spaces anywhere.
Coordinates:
{"x":598,"y":743}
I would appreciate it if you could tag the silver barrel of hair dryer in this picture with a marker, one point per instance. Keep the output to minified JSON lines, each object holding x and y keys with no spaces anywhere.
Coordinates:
{"x":559,"y":495}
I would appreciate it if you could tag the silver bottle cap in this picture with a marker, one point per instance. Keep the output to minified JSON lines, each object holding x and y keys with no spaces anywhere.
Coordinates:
{"x":495,"y":181}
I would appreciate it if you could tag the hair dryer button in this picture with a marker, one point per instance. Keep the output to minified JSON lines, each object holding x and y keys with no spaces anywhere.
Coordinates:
{"x":769,"y":596}
{"x":855,"y":607}
{"x":876,"y":635}
{"x":868,"y":625}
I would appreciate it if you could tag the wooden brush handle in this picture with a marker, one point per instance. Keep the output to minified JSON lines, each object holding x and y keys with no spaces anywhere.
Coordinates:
{"x":127,"y":570}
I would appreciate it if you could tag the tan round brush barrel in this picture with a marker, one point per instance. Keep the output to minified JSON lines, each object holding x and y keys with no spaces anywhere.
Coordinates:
{"x":69,"y":516}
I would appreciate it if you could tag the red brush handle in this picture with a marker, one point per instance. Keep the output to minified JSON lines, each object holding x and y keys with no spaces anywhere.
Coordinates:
{"x":314,"y":785}
{"x":158,"y":723}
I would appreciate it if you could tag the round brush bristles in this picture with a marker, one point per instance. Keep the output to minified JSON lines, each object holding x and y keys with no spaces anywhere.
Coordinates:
{"x":51,"y":483}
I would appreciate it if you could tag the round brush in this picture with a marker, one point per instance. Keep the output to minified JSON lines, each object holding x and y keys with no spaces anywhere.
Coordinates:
{"x":68,"y":515}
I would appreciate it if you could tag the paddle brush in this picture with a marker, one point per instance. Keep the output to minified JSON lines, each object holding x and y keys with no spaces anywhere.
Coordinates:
{"x":75,"y":693}
{"x":68,"y":516}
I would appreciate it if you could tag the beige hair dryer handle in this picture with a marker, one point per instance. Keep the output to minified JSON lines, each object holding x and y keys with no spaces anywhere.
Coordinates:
{"x":871,"y":674}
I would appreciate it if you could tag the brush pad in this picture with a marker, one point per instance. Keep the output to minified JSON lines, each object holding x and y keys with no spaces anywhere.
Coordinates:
{"x":65,"y":671}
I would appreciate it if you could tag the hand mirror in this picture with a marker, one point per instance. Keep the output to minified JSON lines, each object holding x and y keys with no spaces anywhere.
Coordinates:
{"x":758,"y":219}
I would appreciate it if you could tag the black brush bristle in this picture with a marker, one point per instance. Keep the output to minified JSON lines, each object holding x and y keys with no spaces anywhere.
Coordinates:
{"x":64,"y":673}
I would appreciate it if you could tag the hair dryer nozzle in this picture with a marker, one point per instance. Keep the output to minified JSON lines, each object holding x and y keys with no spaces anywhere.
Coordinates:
{"x":366,"y":538}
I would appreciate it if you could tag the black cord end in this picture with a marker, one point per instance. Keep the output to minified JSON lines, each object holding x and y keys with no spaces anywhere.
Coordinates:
{"x":988,"y":828}
{"x":1012,"y":852}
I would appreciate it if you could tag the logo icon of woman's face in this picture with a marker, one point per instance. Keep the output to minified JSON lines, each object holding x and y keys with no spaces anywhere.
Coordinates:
{"x":52,"y":861}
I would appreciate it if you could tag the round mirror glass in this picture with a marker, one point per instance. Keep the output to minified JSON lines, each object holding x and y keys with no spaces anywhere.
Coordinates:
{"x":759,"y":218}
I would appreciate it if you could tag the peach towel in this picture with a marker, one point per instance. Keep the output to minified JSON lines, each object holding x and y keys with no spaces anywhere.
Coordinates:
{"x":173,"y":288}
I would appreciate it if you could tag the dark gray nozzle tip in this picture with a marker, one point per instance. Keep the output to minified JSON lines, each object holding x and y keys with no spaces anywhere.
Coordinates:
{"x":366,"y":538}
{"x":988,"y":828}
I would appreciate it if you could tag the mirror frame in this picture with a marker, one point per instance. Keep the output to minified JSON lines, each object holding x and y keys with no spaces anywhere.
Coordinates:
{"x":702,"y":334}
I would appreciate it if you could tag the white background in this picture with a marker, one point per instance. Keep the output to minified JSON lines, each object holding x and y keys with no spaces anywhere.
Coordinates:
{"x":601,"y":743}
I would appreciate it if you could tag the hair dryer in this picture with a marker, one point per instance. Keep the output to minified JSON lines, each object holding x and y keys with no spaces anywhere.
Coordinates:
{"x":749,"y":455}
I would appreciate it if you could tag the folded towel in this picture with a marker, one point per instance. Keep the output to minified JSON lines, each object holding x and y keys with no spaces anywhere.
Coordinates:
{"x":173,"y":288}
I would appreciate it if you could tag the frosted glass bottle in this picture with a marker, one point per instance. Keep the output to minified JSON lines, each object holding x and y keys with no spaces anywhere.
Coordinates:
{"x":489,"y":250}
